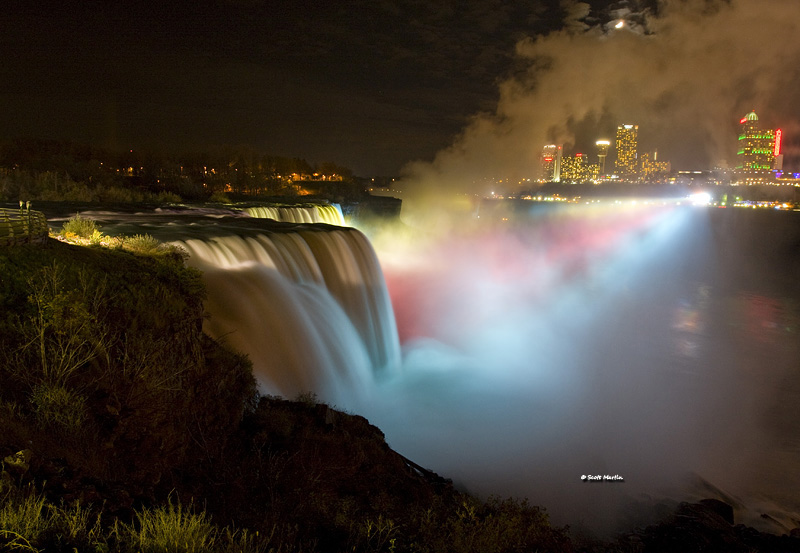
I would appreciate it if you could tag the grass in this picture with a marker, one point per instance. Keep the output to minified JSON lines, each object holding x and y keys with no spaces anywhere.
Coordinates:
{"x":24,"y":520}
{"x":172,"y":527}
{"x":85,"y":232}
{"x":28,"y":522}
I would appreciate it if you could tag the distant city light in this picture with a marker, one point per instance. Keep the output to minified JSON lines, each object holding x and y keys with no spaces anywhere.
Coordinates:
{"x":700,"y":198}
{"x":778,"y":138}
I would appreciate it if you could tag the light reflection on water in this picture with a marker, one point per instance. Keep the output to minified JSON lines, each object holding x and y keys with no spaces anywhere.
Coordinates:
{"x":651,"y":344}
{"x":663,"y":348}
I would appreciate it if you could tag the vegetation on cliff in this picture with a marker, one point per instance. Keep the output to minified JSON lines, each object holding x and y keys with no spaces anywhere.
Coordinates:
{"x":124,"y":428}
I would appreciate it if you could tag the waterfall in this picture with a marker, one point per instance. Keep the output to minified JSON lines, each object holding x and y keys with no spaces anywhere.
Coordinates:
{"x":327,"y":213}
{"x":309,"y":305}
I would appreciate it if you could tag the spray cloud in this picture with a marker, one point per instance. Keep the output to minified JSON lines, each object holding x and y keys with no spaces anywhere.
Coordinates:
{"x":684,"y":72}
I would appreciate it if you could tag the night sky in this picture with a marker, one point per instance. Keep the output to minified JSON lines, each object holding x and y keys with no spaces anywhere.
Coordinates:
{"x":375,"y":84}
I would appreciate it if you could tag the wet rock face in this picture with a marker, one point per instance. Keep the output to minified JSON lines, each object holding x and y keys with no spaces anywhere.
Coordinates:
{"x":708,"y":527}
{"x":720,"y":508}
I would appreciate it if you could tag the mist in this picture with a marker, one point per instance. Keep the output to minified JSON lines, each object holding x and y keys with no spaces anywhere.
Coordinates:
{"x":590,"y":340}
{"x":685,"y":75}
{"x":597,"y":341}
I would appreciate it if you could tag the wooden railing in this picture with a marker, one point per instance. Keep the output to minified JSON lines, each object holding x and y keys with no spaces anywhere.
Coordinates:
{"x":19,"y":226}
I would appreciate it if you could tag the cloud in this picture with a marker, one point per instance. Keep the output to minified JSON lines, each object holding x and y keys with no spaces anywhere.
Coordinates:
{"x":684,"y":73}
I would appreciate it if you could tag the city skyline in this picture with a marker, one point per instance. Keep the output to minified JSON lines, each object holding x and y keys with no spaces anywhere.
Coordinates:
{"x":759,"y":159}
{"x":374,"y":86}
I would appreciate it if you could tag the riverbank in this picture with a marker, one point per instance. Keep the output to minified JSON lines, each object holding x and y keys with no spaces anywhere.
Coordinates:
{"x":119,"y":416}
{"x":118,"y":412}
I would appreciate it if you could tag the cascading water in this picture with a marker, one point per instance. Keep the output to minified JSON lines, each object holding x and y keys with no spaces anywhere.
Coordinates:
{"x":330,"y":214}
{"x":308,"y":305}
{"x":641,"y":341}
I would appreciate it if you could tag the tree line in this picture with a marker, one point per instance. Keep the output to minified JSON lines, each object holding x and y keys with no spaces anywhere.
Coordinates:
{"x":38,"y":169}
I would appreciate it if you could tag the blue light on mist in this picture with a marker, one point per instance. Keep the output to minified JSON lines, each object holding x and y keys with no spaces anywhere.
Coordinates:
{"x":541,"y":371}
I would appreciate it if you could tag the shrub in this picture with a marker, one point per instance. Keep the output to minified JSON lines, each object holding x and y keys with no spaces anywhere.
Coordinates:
{"x":309,"y":399}
{"x":116,"y":194}
{"x":69,"y":192}
{"x":168,"y":198}
{"x":63,"y":333}
{"x":57,"y":406}
{"x":79,"y":226}
{"x":219,"y":198}
{"x":142,"y":244}
{"x":96,"y":237}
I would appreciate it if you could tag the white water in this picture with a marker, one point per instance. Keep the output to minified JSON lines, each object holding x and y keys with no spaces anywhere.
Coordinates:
{"x":309,"y":306}
{"x":657,"y":344}
{"x":329,"y":214}
{"x":623,"y":343}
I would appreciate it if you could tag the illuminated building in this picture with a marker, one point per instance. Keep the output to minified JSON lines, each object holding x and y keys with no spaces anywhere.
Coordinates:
{"x":551,"y":163}
{"x":758,"y":148}
{"x":778,"y":164}
{"x":571,"y":169}
{"x":653,"y":170}
{"x":602,"y":152}
{"x":577,"y":169}
{"x":626,"y":163}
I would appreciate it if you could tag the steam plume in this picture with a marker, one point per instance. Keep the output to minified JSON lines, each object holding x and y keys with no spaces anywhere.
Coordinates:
{"x":684,"y":73}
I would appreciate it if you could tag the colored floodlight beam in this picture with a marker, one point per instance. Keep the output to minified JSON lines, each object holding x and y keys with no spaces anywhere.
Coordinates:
{"x":778,"y":140}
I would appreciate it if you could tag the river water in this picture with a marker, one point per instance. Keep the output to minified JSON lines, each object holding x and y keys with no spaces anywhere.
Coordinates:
{"x":657,"y":344}
{"x":542,"y":344}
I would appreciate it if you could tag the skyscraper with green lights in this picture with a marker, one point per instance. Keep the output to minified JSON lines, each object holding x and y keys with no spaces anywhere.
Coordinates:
{"x":757,"y":147}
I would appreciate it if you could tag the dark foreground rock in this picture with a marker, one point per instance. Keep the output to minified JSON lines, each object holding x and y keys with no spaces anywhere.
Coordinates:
{"x":704,"y":527}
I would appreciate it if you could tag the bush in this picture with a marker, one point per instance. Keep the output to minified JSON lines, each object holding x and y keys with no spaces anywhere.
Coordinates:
{"x":219,"y":198}
{"x":69,"y":192}
{"x":168,"y":198}
{"x":57,"y":406}
{"x":116,"y":194}
{"x":79,"y":226}
{"x":142,"y":244}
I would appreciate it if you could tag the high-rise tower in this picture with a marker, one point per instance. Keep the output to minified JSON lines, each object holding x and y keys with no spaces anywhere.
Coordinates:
{"x":627,"y":143}
{"x":758,"y":147}
{"x":551,"y":163}
{"x":602,"y":152}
